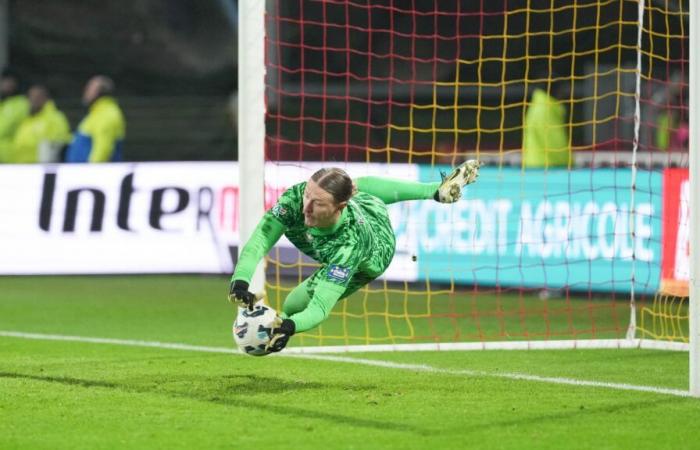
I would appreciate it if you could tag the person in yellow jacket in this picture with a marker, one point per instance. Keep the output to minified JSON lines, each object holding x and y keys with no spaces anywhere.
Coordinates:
{"x":100,"y":135}
{"x":45,"y":130}
{"x":545,"y":137}
{"x":14,"y":107}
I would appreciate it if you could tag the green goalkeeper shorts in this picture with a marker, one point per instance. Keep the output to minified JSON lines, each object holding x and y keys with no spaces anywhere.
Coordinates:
{"x":356,"y":282}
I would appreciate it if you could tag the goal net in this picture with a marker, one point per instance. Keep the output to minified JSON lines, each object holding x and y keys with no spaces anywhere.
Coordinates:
{"x":578,"y":110}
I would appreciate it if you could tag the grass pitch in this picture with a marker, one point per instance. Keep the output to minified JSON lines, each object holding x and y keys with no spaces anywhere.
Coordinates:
{"x":64,"y":394}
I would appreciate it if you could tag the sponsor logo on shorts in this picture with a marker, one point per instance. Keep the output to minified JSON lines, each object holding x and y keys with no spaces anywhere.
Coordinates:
{"x":338,"y":274}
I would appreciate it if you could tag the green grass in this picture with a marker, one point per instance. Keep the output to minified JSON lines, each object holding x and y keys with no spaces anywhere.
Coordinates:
{"x":73,"y":395}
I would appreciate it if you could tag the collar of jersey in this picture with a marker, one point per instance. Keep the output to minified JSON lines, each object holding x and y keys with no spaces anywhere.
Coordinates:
{"x":315,"y":231}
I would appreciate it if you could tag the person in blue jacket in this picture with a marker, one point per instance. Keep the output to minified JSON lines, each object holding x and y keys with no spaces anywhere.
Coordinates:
{"x":100,"y":135}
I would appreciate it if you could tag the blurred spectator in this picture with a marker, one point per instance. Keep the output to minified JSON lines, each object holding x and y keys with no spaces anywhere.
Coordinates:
{"x":14,"y":107}
{"x":41,"y":135}
{"x":681,"y":138}
{"x":100,"y":135}
{"x":672,"y":129}
{"x":545,"y":139}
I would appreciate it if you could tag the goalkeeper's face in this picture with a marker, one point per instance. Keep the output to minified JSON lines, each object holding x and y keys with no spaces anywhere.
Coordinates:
{"x":320,"y":208}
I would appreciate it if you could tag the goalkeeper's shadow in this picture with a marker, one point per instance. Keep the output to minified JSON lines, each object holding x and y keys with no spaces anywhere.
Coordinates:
{"x":239,"y":388}
{"x":234,"y":391}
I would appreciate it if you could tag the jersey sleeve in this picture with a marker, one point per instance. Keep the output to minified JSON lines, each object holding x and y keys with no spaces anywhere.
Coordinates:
{"x":12,"y":115}
{"x":269,"y":230}
{"x":266,"y":234}
{"x":333,"y":281}
{"x":326,"y":295}
{"x":289,"y":207}
{"x":104,"y":137}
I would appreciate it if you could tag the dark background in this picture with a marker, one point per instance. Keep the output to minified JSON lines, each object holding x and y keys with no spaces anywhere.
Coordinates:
{"x":352,"y":70}
{"x":173,"y":62}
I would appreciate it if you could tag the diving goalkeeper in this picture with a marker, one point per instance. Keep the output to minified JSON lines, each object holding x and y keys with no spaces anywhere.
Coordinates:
{"x":344,"y":225}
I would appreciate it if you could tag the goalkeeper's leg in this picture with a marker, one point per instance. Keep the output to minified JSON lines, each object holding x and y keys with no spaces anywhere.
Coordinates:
{"x":449,"y":190}
{"x":391,"y":190}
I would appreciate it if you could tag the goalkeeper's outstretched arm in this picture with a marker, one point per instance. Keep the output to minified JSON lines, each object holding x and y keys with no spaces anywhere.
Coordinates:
{"x":325,"y":296}
{"x":265,"y":235}
{"x":317,"y":309}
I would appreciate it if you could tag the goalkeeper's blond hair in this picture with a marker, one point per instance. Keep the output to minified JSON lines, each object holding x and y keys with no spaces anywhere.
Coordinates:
{"x":336,"y":182}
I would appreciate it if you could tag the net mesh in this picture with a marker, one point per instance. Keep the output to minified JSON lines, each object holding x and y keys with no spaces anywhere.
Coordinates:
{"x":577,"y":109}
{"x":666,"y":318}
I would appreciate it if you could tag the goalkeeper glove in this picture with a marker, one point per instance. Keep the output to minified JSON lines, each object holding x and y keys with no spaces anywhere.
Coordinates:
{"x":282,"y":330}
{"x":239,"y":295}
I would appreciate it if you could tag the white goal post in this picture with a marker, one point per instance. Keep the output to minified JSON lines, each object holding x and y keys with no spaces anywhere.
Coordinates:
{"x":694,"y":173}
{"x":251,"y":122}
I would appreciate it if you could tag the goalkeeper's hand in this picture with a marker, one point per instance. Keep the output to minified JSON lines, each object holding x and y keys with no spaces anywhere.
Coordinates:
{"x":239,"y":295}
{"x":282,"y":330}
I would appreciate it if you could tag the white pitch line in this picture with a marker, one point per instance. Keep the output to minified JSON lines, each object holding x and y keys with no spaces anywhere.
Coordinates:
{"x":505,"y":375}
{"x":361,"y":361}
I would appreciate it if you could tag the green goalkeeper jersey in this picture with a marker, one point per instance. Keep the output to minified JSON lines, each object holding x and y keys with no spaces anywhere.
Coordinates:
{"x":355,"y":250}
{"x":361,"y":241}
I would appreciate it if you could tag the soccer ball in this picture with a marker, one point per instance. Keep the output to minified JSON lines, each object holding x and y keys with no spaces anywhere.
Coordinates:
{"x":252,"y":330}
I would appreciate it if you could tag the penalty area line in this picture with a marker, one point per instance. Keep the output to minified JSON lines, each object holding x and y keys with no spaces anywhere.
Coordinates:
{"x":348,"y":360}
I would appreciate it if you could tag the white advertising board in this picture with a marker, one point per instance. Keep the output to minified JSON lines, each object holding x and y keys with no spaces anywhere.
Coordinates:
{"x":142,"y":217}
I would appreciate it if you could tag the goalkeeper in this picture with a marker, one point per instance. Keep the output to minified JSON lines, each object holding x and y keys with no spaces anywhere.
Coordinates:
{"x":344,"y":225}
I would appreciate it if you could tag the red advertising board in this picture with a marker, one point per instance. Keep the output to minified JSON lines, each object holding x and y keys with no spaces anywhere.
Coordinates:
{"x":676,"y":228}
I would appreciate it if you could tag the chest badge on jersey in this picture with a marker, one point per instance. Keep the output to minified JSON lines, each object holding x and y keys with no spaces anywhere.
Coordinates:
{"x":338,"y":274}
{"x":279,"y":210}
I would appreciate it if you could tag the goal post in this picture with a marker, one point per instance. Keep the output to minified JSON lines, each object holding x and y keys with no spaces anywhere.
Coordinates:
{"x":694,"y":163}
{"x":562,"y":249}
{"x":251,"y":122}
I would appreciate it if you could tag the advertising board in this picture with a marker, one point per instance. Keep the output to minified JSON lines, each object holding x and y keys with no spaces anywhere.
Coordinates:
{"x":581,"y":229}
